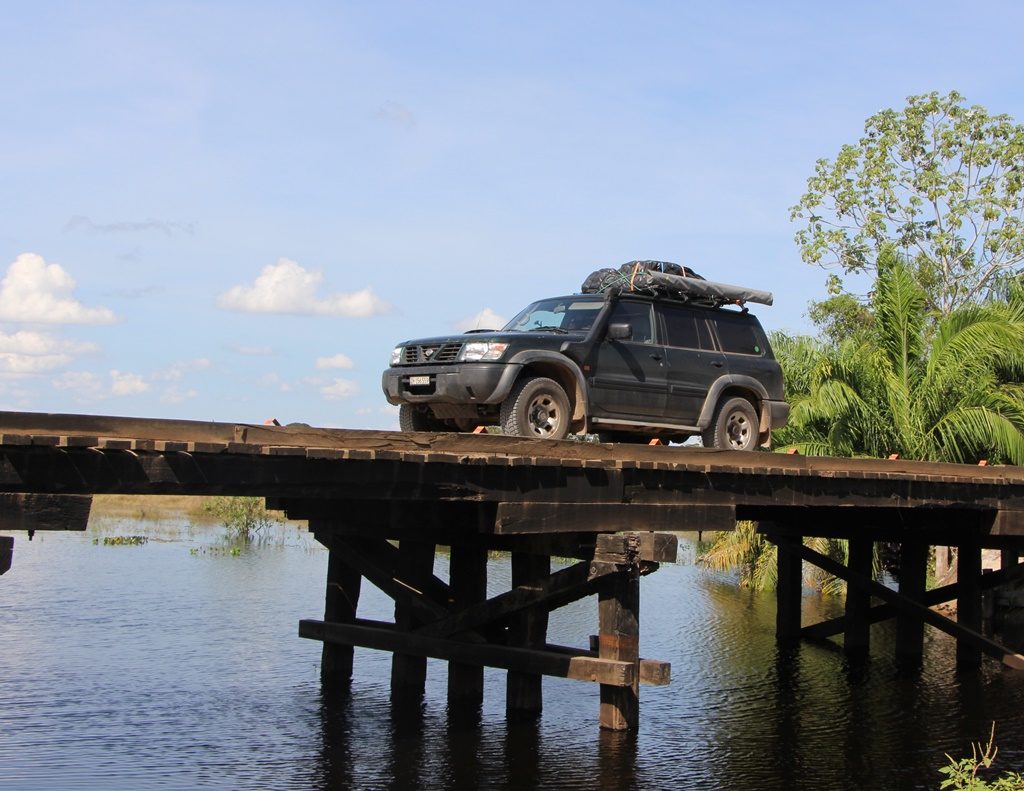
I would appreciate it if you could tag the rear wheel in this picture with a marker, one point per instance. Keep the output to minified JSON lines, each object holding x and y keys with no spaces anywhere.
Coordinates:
{"x":734,"y":426}
{"x":412,"y":418}
{"x":537,"y":407}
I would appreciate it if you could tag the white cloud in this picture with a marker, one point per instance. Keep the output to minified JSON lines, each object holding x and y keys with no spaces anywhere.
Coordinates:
{"x":273,"y":380}
{"x":252,"y":351}
{"x":339,"y":388}
{"x":175,"y":372}
{"x":37,"y":292}
{"x":486,"y":319}
{"x":26,"y":352}
{"x":285,"y":287}
{"x":337,"y":361}
{"x":85,"y":386}
{"x":173,"y":395}
{"x":123,"y":384}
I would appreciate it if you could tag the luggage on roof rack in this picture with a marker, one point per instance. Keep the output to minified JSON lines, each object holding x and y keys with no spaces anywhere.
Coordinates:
{"x":664,"y":279}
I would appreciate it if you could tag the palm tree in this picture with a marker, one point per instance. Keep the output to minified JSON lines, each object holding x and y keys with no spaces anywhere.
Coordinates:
{"x":943,"y":389}
{"x":935,"y":388}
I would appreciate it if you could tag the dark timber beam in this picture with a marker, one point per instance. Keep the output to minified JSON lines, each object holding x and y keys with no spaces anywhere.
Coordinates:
{"x":409,"y":670}
{"x":468,"y":574}
{"x":385,"y":637}
{"x":789,"y":590}
{"x":883,"y":612}
{"x":6,"y":553}
{"x":523,"y":691}
{"x":912,"y":581}
{"x":911,"y":607}
{"x":858,"y":602}
{"x":340,"y":604}
{"x":619,"y":640}
{"x":968,"y":602}
{"x":538,"y":517}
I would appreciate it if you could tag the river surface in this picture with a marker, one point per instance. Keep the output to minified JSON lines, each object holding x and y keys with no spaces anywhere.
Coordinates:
{"x":176,"y":665}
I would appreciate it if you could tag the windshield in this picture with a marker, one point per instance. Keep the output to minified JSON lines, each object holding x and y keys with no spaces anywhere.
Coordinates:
{"x":556,"y":315}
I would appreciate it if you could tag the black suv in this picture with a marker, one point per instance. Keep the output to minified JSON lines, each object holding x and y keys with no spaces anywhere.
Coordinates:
{"x":623,"y":366}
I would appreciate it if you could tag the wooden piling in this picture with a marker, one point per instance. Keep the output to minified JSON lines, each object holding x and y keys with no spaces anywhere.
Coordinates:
{"x":528,"y":629}
{"x":414,"y":563}
{"x":968,"y":602}
{"x":468,"y":579}
{"x":913,"y":578}
{"x":619,"y":639}
{"x":789,"y":590}
{"x":340,"y":603}
{"x":856,"y":636}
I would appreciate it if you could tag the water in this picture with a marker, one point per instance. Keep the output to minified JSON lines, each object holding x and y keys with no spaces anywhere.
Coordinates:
{"x":176,"y":665}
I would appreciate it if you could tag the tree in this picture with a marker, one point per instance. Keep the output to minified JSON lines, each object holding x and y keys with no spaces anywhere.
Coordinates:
{"x":941,"y":181}
{"x":947,"y":390}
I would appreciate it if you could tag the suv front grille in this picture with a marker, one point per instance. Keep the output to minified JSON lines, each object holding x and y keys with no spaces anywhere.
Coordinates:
{"x":433,"y":353}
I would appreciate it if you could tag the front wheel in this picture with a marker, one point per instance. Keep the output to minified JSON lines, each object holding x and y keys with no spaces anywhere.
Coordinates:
{"x":537,"y":407}
{"x":412,"y":419}
{"x":734,"y":426}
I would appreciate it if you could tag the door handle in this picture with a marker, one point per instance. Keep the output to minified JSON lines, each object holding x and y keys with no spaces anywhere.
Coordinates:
{"x":655,"y":357}
{"x":717,"y":363}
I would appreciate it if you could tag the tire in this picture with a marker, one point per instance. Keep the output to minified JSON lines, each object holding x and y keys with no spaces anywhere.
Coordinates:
{"x":734,"y":426}
{"x":412,"y":419}
{"x":538,"y":408}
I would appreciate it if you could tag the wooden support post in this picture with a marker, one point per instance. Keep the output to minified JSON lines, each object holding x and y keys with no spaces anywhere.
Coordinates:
{"x":468,"y":580}
{"x":790,"y":589}
{"x":415,"y":561}
{"x":340,"y":603}
{"x":523,"y":696}
{"x":619,"y":639}
{"x":856,"y":638}
{"x":913,"y":578}
{"x":968,"y":602}
{"x":6,"y":553}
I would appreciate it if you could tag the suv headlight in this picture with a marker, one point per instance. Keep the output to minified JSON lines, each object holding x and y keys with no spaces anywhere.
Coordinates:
{"x":396,"y":355}
{"x":482,"y":350}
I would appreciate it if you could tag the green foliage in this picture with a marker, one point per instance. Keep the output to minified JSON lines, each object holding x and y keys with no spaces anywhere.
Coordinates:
{"x":942,"y":389}
{"x":246,"y":518}
{"x":757,"y":559}
{"x":122,"y":541}
{"x":941,"y":181}
{"x":963,"y":773}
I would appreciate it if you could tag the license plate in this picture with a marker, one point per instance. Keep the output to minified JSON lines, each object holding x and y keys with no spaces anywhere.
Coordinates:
{"x":416,"y":381}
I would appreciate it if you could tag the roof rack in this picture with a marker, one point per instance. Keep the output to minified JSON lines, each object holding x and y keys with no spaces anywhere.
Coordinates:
{"x":664,"y":279}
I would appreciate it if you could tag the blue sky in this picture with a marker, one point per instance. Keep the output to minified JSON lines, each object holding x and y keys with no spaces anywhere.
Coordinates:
{"x":232,"y":211}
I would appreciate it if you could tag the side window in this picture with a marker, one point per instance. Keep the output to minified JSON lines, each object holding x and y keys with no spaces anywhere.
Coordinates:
{"x":738,"y":336}
{"x":638,"y":315}
{"x":681,"y":328}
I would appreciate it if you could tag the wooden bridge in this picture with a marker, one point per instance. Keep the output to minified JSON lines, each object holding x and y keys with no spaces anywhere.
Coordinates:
{"x":382,"y":502}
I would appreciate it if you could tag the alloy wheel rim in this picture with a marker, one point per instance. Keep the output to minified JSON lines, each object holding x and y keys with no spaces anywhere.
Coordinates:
{"x":737,"y":429}
{"x":543,"y":416}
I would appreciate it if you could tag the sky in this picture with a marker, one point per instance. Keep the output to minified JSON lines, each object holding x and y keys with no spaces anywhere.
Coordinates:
{"x":233,"y":211}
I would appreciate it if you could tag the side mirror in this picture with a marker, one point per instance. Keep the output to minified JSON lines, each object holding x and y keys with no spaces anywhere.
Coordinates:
{"x":620,"y":332}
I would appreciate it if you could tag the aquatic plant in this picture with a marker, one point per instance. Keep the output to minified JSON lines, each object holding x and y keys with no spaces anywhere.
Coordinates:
{"x":122,"y":541}
{"x":245,"y":518}
{"x":963,"y":773}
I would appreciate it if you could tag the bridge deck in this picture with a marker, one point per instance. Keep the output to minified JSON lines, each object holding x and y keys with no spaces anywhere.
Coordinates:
{"x":362,"y":490}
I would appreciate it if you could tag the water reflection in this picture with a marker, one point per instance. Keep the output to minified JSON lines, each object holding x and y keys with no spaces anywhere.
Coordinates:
{"x":152,"y":667}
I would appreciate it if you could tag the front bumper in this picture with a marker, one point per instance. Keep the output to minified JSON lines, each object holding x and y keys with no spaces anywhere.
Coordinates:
{"x":465,"y":383}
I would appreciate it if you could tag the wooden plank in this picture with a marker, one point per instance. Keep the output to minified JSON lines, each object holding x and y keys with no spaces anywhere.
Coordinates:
{"x":858,"y":603}
{"x":384,"y":637}
{"x":540,"y":517}
{"x":653,"y":672}
{"x":788,"y":590}
{"x":415,"y":560}
{"x":968,"y":602}
{"x":904,"y":604}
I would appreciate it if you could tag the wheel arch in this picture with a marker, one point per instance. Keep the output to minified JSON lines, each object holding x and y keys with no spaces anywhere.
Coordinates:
{"x":743,"y":386}
{"x":562,"y":370}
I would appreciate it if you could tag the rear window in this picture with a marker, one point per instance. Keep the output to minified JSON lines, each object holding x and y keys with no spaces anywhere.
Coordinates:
{"x":738,"y":336}
{"x":684,"y":328}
